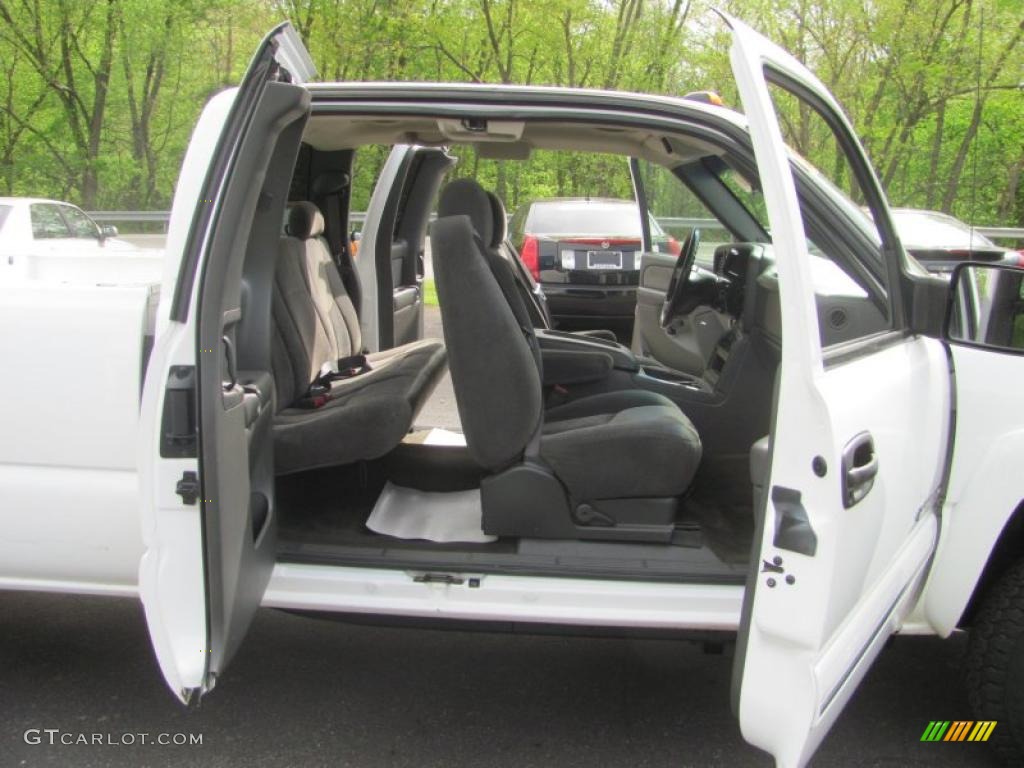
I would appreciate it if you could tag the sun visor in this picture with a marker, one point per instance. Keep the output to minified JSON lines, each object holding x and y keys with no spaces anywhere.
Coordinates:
{"x":512,"y":150}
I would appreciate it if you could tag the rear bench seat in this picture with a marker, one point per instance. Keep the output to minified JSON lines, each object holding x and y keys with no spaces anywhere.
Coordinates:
{"x":315,"y":326}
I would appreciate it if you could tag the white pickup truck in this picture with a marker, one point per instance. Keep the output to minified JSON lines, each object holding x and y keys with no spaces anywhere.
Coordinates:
{"x":808,"y":469}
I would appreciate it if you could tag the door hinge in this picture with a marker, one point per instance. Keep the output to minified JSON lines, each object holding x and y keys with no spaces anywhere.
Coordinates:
{"x":188,"y":487}
{"x":438,"y":578}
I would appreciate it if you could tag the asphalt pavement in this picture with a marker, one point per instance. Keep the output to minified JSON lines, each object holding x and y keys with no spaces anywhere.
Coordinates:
{"x":310,"y":692}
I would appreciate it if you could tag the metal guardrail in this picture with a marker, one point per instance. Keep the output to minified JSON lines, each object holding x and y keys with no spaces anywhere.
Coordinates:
{"x":106,"y":217}
{"x":162,"y":217}
{"x":1000,"y":233}
{"x":358,"y":217}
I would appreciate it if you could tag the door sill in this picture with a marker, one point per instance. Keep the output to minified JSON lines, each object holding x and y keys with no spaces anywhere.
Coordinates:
{"x":504,"y":598}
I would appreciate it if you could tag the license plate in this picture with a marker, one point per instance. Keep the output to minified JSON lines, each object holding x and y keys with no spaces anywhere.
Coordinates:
{"x":604,"y":259}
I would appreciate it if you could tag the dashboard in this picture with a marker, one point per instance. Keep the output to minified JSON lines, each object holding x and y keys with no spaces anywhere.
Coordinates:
{"x":747,"y":288}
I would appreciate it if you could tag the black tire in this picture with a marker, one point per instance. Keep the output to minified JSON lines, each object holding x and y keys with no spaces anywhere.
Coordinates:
{"x":995,"y":664}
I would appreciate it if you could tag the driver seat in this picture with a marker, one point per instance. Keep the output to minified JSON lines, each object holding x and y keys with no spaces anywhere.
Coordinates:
{"x":610,"y":466}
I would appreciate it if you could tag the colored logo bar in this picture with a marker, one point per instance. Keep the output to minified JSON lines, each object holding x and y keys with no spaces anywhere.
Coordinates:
{"x":958,"y":730}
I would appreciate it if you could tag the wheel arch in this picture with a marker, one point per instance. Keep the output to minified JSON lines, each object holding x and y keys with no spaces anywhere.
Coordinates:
{"x":1008,"y":549}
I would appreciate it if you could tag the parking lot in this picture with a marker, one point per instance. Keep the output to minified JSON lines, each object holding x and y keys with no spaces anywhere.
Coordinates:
{"x":309,"y":692}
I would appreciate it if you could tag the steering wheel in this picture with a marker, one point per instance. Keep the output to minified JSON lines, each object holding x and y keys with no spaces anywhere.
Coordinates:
{"x":680,"y":274}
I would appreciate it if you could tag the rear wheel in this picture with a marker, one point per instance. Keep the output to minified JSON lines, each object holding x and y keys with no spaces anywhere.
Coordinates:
{"x":995,"y":664}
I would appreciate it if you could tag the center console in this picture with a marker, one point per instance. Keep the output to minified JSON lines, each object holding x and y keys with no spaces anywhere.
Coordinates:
{"x":622,"y":357}
{"x":570,"y":358}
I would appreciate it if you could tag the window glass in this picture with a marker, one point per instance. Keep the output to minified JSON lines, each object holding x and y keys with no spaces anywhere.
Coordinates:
{"x":4,"y":210}
{"x":527,"y":186}
{"x":819,"y":154}
{"x":595,"y":218}
{"x":81,"y":225}
{"x":677,"y":211}
{"x":47,"y":223}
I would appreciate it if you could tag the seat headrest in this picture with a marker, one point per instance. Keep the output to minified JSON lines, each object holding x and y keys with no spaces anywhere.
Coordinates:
{"x":465,"y":197}
{"x":500,"y":220}
{"x":304,"y":221}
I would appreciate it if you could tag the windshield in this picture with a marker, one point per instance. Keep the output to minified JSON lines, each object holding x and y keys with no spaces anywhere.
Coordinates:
{"x":587,"y":219}
{"x":934,"y":230}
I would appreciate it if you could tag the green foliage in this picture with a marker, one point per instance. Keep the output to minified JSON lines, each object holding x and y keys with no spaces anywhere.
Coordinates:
{"x":99,"y":98}
{"x":429,"y":293}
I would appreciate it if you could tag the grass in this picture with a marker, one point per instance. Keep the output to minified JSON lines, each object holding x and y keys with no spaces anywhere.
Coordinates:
{"x":429,"y":293}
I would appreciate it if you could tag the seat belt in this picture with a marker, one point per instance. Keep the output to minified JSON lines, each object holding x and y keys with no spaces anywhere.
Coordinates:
{"x":332,"y":228}
{"x":341,"y":254}
{"x":319,"y":392}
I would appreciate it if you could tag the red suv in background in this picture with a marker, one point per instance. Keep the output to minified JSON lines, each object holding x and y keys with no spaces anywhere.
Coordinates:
{"x":585,"y":253}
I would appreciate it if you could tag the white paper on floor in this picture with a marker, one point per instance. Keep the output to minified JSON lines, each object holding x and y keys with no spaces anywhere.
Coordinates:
{"x":438,"y":436}
{"x":448,"y":517}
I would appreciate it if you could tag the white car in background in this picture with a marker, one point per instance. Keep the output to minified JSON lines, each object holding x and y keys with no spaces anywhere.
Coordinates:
{"x":54,"y":240}
{"x":940,"y":241}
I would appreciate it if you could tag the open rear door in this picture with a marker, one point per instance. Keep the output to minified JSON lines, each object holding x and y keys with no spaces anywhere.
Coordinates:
{"x":205,"y":455}
{"x":848,"y":519}
{"x":392,"y":251}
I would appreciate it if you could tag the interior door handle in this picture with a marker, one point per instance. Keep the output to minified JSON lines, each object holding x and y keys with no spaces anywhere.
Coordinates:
{"x":232,"y":364}
{"x":860,"y":467}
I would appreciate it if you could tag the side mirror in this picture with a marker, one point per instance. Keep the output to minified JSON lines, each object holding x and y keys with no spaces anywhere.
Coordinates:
{"x":986,"y":307}
{"x":108,"y":230}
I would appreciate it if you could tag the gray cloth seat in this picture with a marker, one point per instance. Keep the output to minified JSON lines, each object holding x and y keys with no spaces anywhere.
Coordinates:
{"x":315,"y":325}
{"x":636,"y":438}
{"x":524,"y":282}
{"x":487,"y":217}
{"x":629,"y":446}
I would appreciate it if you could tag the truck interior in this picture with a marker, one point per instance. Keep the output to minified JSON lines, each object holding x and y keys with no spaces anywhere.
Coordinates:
{"x":576,"y":455}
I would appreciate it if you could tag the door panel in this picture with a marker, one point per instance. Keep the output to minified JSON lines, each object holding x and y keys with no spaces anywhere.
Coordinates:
{"x":408,"y":293}
{"x":688,"y":343}
{"x":408,"y":314}
{"x":206,"y":461}
{"x":833,"y":574}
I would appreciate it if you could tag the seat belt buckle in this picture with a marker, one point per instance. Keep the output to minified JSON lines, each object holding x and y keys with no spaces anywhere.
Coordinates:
{"x":317,"y":397}
{"x":350,"y":366}
{"x":558,"y":395}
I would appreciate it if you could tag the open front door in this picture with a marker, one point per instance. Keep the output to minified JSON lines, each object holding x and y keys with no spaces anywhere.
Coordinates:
{"x":682,"y":343}
{"x":205,"y":455}
{"x":848,"y":510}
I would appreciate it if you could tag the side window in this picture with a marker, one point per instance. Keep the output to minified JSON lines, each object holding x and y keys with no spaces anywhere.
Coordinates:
{"x":366,"y":167}
{"x":831,"y":277}
{"x":81,"y":225}
{"x":517,"y":225}
{"x":675,"y":211}
{"x":47,"y":222}
{"x":850,"y":277}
